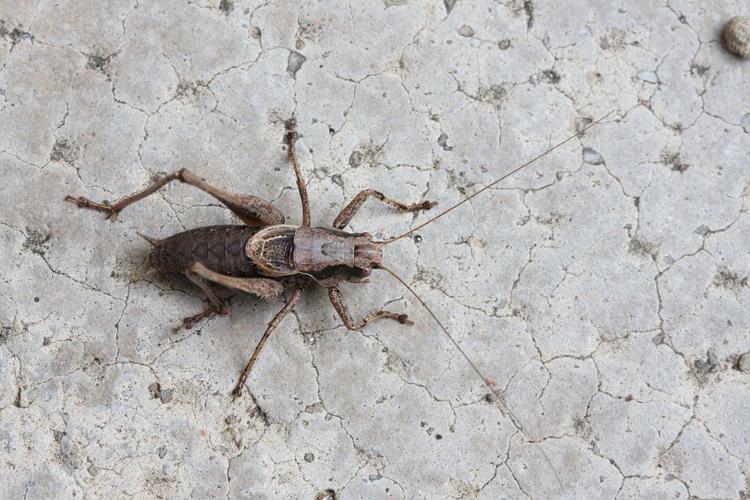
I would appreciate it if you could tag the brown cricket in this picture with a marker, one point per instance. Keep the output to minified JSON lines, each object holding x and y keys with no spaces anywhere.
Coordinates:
{"x":265,"y":257}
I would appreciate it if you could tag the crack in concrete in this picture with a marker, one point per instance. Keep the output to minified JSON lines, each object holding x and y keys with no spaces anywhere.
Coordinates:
{"x":496,"y":99}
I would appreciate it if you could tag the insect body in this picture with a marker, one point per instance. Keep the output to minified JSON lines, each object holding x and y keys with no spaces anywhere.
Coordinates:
{"x":265,"y":257}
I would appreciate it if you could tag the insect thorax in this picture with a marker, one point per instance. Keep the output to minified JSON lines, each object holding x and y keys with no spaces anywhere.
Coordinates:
{"x":327,"y":255}
{"x":272,"y":250}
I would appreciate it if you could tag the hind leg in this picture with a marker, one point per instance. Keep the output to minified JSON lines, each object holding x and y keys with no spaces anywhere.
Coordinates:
{"x":265,"y":288}
{"x":252,"y":210}
{"x":216,"y":303}
{"x":190,"y":321}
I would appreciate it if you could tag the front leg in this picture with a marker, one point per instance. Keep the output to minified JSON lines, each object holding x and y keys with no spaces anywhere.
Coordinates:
{"x":334,"y":294}
{"x":351,"y":209}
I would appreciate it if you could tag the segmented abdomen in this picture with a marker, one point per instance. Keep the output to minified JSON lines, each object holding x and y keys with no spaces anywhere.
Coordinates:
{"x":219,"y":248}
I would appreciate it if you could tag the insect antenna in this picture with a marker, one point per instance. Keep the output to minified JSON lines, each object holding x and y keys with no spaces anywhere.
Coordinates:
{"x":505,"y":176}
{"x":442,"y":327}
{"x":498,"y":395}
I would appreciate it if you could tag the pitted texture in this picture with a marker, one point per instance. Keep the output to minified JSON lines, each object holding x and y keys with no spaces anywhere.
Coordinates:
{"x":604,"y":290}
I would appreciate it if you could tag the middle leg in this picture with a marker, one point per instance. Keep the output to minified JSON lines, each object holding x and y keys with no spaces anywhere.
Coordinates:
{"x":296,"y":294}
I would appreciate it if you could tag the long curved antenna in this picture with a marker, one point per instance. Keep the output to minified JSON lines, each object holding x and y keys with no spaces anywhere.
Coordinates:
{"x":485,"y":188}
{"x":499,"y":397}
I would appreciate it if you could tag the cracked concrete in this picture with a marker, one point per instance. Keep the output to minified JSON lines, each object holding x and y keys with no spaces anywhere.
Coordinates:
{"x":604,"y":289}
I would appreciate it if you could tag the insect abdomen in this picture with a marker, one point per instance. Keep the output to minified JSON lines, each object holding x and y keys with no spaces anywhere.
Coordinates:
{"x":219,"y":248}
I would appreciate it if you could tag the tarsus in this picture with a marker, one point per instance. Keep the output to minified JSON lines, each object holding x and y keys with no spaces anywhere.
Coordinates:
{"x":449,"y":209}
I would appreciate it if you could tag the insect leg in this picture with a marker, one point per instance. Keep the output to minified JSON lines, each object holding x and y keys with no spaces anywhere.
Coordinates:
{"x":201,"y":283}
{"x":290,"y":138}
{"x":296,"y":294}
{"x":187,"y":323}
{"x":265,"y":288}
{"x":348,"y":212}
{"x":252,"y":210}
{"x":337,"y":300}
{"x":216,"y":307}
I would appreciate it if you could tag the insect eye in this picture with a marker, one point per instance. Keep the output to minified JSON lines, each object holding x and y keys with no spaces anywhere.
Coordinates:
{"x":366,"y":271}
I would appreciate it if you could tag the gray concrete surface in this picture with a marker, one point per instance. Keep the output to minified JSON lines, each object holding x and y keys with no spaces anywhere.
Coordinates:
{"x":604,"y":290}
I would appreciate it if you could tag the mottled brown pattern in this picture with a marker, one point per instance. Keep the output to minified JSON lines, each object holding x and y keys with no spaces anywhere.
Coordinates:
{"x":316,"y":249}
{"x":273,"y":250}
{"x":219,"y":248}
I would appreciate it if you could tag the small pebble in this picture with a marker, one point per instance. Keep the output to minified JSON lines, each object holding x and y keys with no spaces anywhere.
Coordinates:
{"x":466,"y":31}
{"x":648,"y":76}
{"x":166,"y":395}
{"x":592,"y":157}
{"x":744,"y":363}
{"x":737,"y":36}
